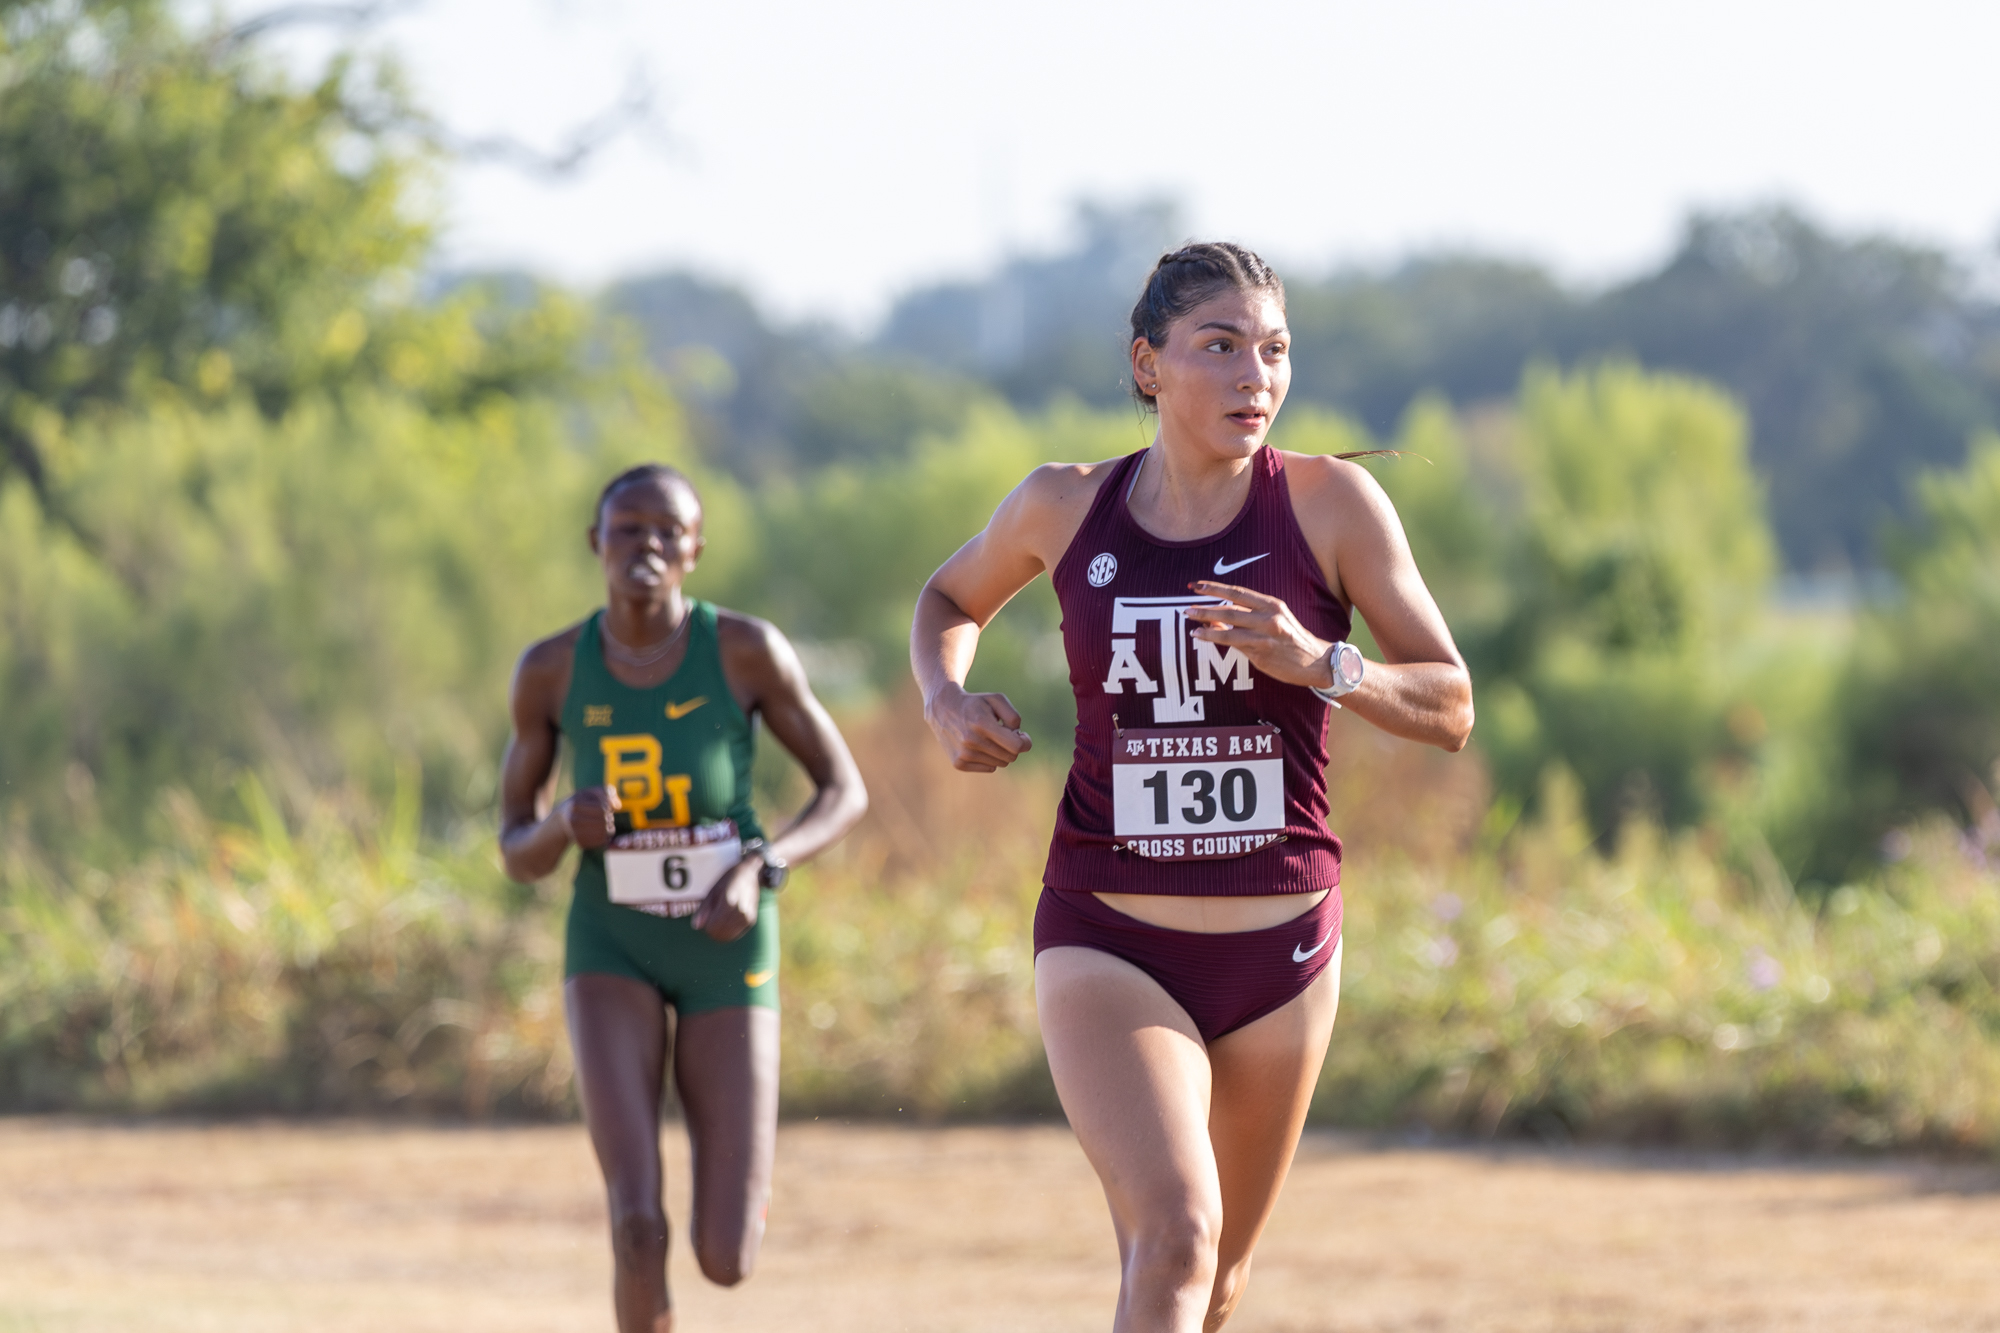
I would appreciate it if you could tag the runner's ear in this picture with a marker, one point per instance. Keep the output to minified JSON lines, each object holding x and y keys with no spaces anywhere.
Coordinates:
{"x":1145,"y":364}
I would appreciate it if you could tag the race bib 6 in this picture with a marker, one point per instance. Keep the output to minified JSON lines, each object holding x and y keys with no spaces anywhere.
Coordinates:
{"x":668,"y":871}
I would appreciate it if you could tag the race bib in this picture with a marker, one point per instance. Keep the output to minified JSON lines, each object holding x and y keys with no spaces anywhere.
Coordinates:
{"x":668,"y":871}
{"x":1197,"y":793}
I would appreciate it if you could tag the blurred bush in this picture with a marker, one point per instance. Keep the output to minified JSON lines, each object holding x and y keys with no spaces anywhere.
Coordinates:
{"x":1922,"y":692}
{"x":315,"y":959}
{"x":319,"y":596}
{"x":1653,"y":996}
{"x":1497,"y":981}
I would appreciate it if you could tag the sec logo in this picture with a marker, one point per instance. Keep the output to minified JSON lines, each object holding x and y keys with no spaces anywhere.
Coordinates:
{"x":1103,"y":570}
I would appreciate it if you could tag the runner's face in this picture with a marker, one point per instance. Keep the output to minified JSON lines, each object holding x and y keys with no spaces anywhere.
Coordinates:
{"x":1223,"y":373}
{"x":648,"y":537}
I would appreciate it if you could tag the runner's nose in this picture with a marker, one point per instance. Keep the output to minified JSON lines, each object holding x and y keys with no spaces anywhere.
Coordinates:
{"x":1256,"y":377}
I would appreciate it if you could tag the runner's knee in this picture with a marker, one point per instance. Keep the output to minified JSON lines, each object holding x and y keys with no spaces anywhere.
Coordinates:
{"x":1177,"y":1247}
{"x":639,"y":1238}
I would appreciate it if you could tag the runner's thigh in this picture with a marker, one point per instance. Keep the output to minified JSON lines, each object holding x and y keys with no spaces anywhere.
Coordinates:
{"x":1264,"y":1075}
{"x":726,"y":1069}
{"x":618,"y":1031}
{"x":1134,"y":1082}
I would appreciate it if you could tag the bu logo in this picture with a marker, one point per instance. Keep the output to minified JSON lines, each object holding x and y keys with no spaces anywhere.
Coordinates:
{"x":1102,"y":570}
{"x":1179,"y":700}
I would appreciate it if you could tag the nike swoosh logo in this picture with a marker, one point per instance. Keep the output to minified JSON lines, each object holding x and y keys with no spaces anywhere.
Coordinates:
{"x":1300,"y":953}
{"x":675,"y":712}
{"x":756,"y":979}
{"x":1223,"y":568}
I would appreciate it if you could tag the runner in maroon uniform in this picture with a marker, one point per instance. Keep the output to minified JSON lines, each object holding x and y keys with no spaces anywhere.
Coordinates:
{"x":1187,"y":943}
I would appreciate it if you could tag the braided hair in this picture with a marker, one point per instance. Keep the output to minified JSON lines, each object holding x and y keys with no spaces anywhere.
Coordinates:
{"x":1186,"y":277}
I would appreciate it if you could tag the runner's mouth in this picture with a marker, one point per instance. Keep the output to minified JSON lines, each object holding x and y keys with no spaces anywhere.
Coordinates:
{"x":1252,"y":418}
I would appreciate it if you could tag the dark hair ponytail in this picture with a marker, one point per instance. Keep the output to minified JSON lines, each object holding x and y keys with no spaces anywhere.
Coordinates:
{"x":1184,"y":279}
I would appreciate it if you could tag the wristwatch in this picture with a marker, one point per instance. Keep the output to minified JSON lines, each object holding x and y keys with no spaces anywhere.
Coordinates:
{"x":774,"y":872}
{"x":1348,"y":664}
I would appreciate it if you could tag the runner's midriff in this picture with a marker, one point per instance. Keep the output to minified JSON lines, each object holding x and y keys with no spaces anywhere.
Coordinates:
{"x":1213,"y":916}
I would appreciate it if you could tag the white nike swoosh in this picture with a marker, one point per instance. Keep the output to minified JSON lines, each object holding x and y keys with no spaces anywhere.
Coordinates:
{"x":1300,"y":953}
{"x":1222,"y":567}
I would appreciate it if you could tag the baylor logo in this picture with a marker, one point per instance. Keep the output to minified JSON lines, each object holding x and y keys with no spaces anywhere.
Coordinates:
{"x":632,"y":769}
{"x":1179,"y":699}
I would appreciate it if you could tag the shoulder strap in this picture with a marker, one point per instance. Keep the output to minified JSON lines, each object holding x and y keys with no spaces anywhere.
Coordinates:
{"x":1110,"y":496}
{"x":586,"y":670}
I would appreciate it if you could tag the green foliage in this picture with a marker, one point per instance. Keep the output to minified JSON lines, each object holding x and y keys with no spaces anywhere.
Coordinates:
{"x":176,"y":218}
{"x":174,"y":212}
{"x":1861,"y":359}
{"x":1601,"y":556}
{"x":1923,"y":695}
{"x":327,"y":594}
{"x":1652,"y":996}
{"x":870,"y":414}
{"x":1640,"y":561}
{"x":292,"y":961}
{"x":1645,"y":528}
{"x":327,"y":959}
{"x":841,"y":552}
{"x":264,"y":513}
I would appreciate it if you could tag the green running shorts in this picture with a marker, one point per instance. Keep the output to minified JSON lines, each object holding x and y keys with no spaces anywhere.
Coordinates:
{"x":692,"y":972}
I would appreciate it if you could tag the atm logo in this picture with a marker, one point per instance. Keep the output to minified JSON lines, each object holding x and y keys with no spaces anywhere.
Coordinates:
{"x":1185,"y":675}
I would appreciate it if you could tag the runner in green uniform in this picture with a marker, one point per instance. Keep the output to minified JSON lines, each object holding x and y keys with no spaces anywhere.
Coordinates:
{"x":675,"y":902}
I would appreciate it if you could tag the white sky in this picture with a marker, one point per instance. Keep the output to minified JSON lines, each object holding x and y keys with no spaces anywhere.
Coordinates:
{"x":832,"y":155}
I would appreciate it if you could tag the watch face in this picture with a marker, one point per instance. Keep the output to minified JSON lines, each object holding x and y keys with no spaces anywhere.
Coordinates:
{"x":1347,"y":665}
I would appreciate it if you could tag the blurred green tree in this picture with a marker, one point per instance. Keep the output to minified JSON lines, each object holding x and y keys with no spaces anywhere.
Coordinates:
{"x":262,"y":503}
{"x":1923,"y":696}
{"x":1641,"y":561}
{"x":176,"y":217}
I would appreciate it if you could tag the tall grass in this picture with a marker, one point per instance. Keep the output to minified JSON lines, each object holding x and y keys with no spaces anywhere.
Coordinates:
{"x":310,"y":956}
{"x":1501,"y":977}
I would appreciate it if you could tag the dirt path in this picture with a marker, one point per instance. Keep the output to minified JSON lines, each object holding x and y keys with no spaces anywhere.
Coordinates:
{"x":276,"y":1227}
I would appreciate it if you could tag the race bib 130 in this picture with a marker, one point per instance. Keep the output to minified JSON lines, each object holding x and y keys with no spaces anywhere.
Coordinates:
{"x":1197,"y":793}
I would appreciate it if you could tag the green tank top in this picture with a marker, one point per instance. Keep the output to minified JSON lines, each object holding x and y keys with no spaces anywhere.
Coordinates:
{"x":678,"y":752}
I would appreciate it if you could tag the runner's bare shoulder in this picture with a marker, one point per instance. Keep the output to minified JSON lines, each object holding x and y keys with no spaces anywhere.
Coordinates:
{"x":543,"y":671}
{"x":749,"y":640}
{"x":756,"y":655}
{"x":1341,"y":507}
{"x":1043,"y":513}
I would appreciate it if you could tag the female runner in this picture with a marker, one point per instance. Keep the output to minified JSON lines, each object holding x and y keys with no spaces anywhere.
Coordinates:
{"x":675,"y":901}
{"x":1187,"y":942}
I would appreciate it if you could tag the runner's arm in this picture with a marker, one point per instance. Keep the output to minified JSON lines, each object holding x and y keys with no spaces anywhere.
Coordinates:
{"x":764,"y":661}
{"x":1420,"y":690}
{"x":534,"y":837}
{"x":981,"y":732}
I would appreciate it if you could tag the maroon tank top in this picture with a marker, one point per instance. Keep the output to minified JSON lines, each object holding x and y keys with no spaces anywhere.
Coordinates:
{"x":1194,"y":774}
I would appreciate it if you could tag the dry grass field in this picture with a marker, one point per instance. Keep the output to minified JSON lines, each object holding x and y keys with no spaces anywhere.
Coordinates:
{"x":271,"y":1228}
